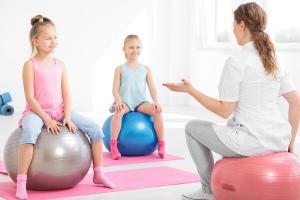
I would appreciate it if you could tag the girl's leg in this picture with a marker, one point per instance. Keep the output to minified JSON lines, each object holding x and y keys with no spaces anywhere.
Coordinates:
{"x":97,"y":150}
{"x":99,"y":177}
{"x":115,"y":127}
{"x":25,"y":157}
{"x":31,"y":128}
{"x":95,"y":135}
{"x":201,"y":141}
{"x":116,"y":122}
{"x":148,"y":109}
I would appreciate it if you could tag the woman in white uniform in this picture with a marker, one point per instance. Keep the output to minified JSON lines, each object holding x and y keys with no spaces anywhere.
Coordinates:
{"x":249,"y":88}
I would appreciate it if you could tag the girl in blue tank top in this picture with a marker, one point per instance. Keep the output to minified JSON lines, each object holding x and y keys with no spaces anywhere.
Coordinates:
{"x":129,"y":90}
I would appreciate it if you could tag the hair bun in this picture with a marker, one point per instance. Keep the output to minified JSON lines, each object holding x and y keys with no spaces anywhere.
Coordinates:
{"x":36,"y":19}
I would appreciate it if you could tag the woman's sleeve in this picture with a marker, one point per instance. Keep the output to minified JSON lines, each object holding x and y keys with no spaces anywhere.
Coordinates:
{"x":231,"y":78}
{"x":286,"y":83}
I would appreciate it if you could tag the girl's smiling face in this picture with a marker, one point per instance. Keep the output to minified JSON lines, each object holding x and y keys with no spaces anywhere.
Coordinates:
{"x":132,"y":49}
{"x":46,"y":41}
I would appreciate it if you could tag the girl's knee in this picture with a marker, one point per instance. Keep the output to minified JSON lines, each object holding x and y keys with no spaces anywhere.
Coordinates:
{"x":119,"y":115}
{"x":95,"y":133}
{"x":96,"y":136}
{"x":29,"y":136}
{"x":155,"y":114}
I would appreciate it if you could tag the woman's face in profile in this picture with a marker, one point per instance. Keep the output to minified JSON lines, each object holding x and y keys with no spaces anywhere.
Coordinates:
{"x":241,"y":32}
{"x":238,"y":31}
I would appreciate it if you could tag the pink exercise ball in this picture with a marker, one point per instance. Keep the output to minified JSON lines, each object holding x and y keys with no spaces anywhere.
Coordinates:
{"x":269,"y":177}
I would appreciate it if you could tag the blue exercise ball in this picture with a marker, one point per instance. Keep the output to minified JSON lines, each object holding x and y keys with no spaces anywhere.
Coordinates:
{"x":137,"y":136}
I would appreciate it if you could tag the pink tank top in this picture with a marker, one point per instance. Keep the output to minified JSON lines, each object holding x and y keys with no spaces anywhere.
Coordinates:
{"x":47,"y":90}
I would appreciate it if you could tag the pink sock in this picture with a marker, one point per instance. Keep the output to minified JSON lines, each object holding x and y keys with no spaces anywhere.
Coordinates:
{"x":21,"y":192}
{"x":161,"y":148}
{"x":100,"y":178}
{"x":115,"y":154}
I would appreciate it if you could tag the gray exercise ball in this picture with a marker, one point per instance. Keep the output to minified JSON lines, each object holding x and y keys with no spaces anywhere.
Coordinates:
{"x":59,"y":161}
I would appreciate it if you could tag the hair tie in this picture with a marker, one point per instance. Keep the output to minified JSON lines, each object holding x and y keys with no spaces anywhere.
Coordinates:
{"x":261,"y":32}
{"x":257,"y":31}
{"x":41,"y":20}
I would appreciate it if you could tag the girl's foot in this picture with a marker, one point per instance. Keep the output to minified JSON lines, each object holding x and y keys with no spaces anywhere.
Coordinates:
{"x":115,"y":154}
{"x":161,"y":148}
{"x":21,"y":192}
{"x":100,"y":178}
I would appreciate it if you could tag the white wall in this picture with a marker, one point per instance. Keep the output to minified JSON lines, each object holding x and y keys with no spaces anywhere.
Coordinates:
{"x":91,"y":34}
{"x":87,"y":32}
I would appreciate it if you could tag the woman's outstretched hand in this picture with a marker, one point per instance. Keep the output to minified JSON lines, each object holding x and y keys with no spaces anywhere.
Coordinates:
{"x":184,"y":86}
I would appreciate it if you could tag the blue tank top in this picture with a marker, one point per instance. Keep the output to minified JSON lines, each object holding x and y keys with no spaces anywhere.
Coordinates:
{"x":133,"y":85}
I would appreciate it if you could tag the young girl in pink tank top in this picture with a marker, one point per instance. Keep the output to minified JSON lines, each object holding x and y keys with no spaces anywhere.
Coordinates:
{"x":49,"y":104}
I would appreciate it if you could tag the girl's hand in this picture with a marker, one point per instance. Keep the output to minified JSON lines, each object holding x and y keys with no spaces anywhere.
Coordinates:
{"x":184,"y":86}
{"x":71,"y":126}
{"x":156,"y":107}
{"x":52,"y":126}
{"x":119,"y":106}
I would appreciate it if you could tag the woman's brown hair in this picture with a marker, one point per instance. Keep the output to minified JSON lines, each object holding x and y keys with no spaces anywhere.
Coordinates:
{"x":255,"y":19}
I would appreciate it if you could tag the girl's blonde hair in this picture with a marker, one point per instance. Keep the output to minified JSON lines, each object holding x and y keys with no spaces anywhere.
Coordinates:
{"x":37,"y":22}
{"x":255,"y":19}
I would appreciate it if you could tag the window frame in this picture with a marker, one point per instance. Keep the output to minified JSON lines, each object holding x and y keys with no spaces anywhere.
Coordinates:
{"x":205,"y":14}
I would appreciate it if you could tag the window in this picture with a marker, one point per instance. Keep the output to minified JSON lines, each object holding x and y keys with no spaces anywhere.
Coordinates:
{"x":215,"y":18}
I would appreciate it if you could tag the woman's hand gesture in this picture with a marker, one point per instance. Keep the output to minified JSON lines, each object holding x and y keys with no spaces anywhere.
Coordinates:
{"x":184,"y":86}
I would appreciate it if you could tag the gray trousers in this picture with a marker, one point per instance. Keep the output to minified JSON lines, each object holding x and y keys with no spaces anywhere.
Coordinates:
{"x":201,"y":141}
